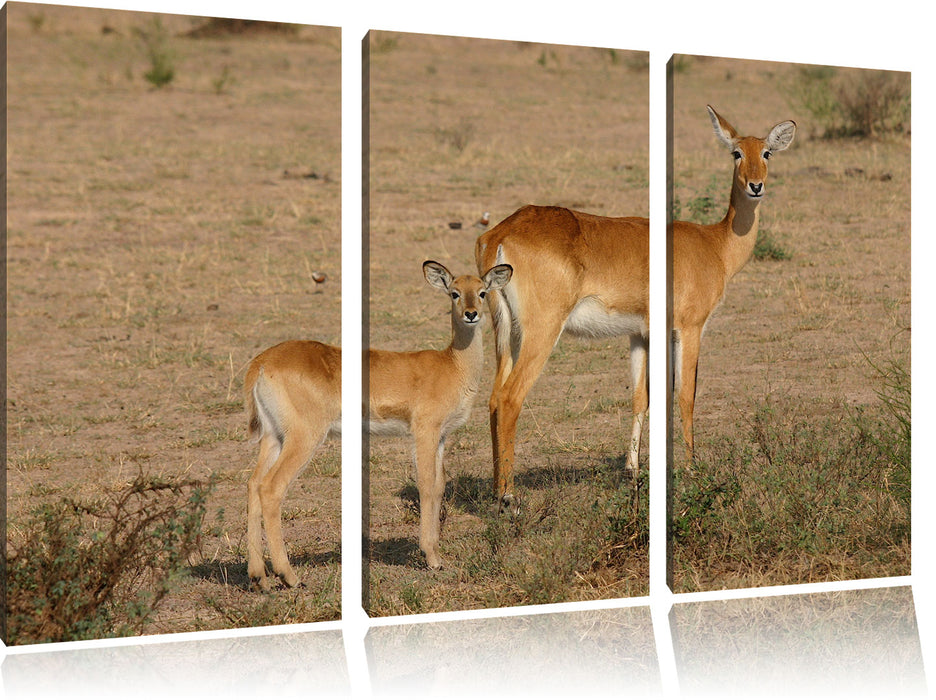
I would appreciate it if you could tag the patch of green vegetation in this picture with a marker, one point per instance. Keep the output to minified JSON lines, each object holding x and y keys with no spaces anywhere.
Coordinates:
{"x":767,"y":248}
{"x":701,"y":208}
{"x":155,"y":39}
{"x":102,"y":568}
{"x":280,"y":607}
{"x":851,"y":102}
{"x":541,"y":551}
{"x":809,"y":496}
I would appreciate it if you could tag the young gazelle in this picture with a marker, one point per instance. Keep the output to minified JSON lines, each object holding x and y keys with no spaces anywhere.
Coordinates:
{"x":293,"y":398}
{"x":588,"y":275}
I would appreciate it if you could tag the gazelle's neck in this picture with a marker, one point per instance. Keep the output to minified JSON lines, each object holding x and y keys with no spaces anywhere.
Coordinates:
{"x":467,"y":348}
{"x":740,"y":230}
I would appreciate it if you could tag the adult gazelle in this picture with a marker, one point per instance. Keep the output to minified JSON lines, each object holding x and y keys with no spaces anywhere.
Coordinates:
{"x":588,"y":275}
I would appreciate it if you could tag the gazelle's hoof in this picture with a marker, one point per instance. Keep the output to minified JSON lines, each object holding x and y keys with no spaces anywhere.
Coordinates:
{"x":263,"y":584}
{"x":289,"y":579}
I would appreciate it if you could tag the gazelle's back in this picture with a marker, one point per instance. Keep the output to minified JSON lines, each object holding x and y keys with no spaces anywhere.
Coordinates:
{"x":580,"y":254}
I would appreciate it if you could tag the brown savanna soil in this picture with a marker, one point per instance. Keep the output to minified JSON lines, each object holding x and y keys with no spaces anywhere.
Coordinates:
{"x":459,"y":127}
{"x":157,"y":240}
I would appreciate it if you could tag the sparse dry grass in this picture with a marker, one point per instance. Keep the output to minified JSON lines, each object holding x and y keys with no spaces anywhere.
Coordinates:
{"x":459,"y":127}
{"x":156,"y":242}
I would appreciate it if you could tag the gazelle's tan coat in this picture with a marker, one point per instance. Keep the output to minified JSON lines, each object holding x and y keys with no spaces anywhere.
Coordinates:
{"x":293,"y":396}
{"x":589,"y":275}
{"x":706,"y":257}
{"x":574,"y":272}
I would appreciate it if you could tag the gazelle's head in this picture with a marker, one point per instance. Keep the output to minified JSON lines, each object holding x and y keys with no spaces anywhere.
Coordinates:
{"x":467,"y":292}
{"x":751,"y":153}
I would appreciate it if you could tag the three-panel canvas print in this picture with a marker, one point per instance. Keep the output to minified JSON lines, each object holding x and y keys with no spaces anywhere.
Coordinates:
{"x":174,"y":368}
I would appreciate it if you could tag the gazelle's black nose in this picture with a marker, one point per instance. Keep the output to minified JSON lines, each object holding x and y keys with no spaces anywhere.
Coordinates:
{"x":471,"y":316}
{"x":756,"y":187}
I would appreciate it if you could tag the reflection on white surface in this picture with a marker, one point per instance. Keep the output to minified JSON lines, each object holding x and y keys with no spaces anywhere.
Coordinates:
{"x":303,"y":665}
{"x":846,"y":643}
{"x":594,"y":653}
{"x":840,"y":644}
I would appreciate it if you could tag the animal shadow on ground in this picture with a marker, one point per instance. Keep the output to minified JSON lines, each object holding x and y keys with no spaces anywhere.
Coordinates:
{"x":235,"y":575}
{"x":615,"y":468}
{"x":473,"y":494}
{"x":397,"y":551}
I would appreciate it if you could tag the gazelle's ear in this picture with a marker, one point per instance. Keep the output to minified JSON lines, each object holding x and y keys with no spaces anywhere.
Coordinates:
{"x":781,"y":136}
{"x":437,"y":275}
{"x":497,"y":276}
{"x":724,"y":131}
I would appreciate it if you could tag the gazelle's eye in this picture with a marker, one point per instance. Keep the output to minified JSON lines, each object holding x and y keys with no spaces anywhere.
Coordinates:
{"x":736,"y":154}
{"x":482,"y":294}
{"x":454,"y":295}
{"x":766,"y":155}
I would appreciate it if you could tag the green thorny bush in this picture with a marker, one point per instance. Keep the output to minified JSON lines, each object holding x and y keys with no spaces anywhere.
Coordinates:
{"x":98,"y":569}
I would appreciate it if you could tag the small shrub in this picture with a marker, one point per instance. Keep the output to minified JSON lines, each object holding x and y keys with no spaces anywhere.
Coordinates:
{"x":852,"y":102}
{"x":101,"y":569}
{"x":702,"y":207}
{"x":155,"y":39}
{"x":702,"y":499}
{"x":875,"y":102}
{"x":767,"y":248}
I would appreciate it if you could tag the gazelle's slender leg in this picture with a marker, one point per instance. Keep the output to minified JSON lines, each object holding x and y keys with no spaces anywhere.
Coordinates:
{"x":535,"y":350}
{"x":641,"y":398}
{"x":269,"y":451}
{"x":503,"y":336}
{"x":430,"y":479}
{"x":297,"y":450}
{"x":689,"y":344}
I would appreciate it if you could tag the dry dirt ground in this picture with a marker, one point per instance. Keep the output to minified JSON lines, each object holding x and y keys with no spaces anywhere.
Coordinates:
{"x":458,"y":127}
{"x":158,"y":239}
{"x":801,"y":334}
